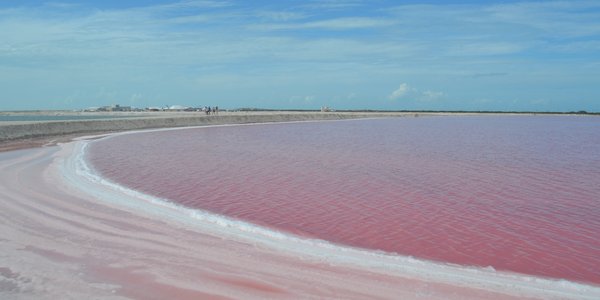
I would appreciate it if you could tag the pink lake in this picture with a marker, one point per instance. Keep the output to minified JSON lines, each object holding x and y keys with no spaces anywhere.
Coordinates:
{"x":517,"y":193}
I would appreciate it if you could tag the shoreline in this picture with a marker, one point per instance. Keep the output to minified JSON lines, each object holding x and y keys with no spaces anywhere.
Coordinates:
{"x":16,"y":135}
{"x":85,"y":239}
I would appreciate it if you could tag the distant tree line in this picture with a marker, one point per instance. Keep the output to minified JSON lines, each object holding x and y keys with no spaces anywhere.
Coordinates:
{"x":581,"y":112}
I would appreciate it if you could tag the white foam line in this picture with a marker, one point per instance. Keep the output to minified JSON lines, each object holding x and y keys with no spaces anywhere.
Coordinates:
{"x":76,"y":171}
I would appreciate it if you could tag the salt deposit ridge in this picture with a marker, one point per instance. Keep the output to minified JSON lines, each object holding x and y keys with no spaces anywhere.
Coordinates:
{"x":68,"y":233}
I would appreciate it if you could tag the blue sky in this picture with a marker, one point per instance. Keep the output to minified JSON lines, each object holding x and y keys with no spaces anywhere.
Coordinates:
{"x":346,"y":54}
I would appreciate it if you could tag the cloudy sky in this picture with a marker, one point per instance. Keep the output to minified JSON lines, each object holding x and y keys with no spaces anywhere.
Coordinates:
{"x":347,"y":54}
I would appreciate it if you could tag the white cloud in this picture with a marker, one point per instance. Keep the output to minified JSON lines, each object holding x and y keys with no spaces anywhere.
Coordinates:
{"x":169,"y":45}
{"x":331,"y":24}
{"x":349,"y":23}
{"x":405,"y":91}
{"x":486,"y":48}
{"x":192,"y":19}
{"x":189,"y":4}
{"x":61,"y":5}
{"x":401,"y":91}
{"x":333,"y":4}
{"x":280,"y":15}
{"x":557,"y":18}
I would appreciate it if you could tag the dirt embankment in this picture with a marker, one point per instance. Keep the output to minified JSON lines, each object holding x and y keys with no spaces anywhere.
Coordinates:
{"x":18,"y":135}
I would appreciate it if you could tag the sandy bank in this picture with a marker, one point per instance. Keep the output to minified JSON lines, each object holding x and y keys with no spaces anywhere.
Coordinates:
{"x":19,"y":130}
{"x":26,"y":134}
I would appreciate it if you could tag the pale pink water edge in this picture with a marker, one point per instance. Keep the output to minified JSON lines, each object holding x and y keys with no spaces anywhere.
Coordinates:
{"x":67,"y":235}
{"x":515,"y":193}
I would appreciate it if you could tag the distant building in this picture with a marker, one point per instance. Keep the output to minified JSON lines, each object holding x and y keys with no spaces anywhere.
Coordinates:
{"x":115,"y":107}
{"x":121,"y":108}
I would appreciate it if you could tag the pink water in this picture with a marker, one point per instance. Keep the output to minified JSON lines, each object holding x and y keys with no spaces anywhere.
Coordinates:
{"x":519,"y":194}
